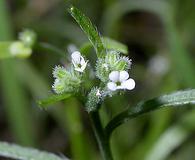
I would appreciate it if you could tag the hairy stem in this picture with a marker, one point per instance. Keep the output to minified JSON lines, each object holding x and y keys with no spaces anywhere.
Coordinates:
{"x":102,"y":139}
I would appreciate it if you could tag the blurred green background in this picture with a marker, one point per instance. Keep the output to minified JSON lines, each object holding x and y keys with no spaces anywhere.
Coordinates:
{"x":160,"y":36}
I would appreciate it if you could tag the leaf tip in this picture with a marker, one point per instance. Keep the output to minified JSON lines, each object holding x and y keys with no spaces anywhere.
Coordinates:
{"x":71,"y":9}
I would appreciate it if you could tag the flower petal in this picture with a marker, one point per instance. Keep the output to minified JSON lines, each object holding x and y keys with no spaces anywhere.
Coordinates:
{"x":128,"y":84}
{"x":82,"y":60}
{"x":123,"y":76}
{"x":120,"y":87}
{"x":83,"y":66}
{"x":112,"y":86}
{"x":76,"y":57}
{"x":114,"y":76}
{"x":78,"y":69}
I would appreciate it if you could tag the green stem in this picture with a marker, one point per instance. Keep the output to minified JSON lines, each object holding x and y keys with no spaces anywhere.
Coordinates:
{"x":50,"y":48}
{"x":102,"y":139}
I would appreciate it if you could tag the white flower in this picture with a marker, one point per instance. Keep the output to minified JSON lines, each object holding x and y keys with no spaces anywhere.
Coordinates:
{"x":78,"y":61}
{"x":98,"y":93}
{"x":119,"y":80}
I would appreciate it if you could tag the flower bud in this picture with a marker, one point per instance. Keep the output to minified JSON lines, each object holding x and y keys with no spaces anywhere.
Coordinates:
{"x":112,"y":57}
{"x":93,"y":100}
{"x":65,"y":81}
{"x":102,"y":70}
{"x":58,"y":86}
{"x":59,"y":72}
{"x":120,"y":65}
{"x":123,"y":64}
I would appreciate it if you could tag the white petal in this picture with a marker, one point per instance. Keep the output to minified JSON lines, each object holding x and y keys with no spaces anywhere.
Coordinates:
{"x":120,"y":87}
{"x":114,"y":76}
{"x":112,"y":86}
{"x":76,"y":57}
{"x":98,"y":93}
{"x":82,"y":60}
{"x":128,"y":84}
{"x":123,"y":76}
{"x":83,"y":66}
{"x":78,"y":69}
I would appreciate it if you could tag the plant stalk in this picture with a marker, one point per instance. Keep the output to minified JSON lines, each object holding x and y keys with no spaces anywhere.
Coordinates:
{"x":102,"y":139}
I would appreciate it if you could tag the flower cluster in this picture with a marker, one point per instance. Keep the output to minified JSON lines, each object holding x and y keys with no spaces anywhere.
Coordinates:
{"x":69,"y":80}
{"x":112,"y":70}
{"x":112,"y":62}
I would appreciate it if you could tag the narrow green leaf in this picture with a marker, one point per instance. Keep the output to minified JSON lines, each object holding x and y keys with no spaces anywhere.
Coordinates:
{"x":171,"y":100}
{"x":109,"y":43}
{"x":89,"y":29}
{"x":23,"y":153}
{"x":4,"y":50}
{"x":53,"y":99}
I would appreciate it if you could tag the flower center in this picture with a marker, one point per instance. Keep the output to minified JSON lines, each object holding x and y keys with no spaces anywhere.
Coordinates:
{"x":118,"y":83}
{"x":79,"y":65}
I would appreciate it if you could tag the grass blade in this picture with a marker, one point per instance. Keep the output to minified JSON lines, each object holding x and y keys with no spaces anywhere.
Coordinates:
{"x":23,"y":153}
{"x":89,"y":30}
{"x":178,"y":133}
{"x":15,"y":100}
{"x":171,"y":100}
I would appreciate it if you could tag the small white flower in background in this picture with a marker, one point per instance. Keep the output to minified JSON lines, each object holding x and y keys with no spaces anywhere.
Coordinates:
{"x":18,"y":49}
{"x":28,"y":37}
{"x":119,"y":80}
{"x":78,"y":61}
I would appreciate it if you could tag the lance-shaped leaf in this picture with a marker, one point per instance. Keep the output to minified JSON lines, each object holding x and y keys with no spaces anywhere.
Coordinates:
{"x":90,"y":30}
{"x":53,"y":99}
{"x":23,"y":153}
{"x":110,"y":44}
{"x":179,"y":98}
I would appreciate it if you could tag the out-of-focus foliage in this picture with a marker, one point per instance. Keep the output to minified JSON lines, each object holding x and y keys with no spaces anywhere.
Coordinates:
{"x":160,"y":38}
